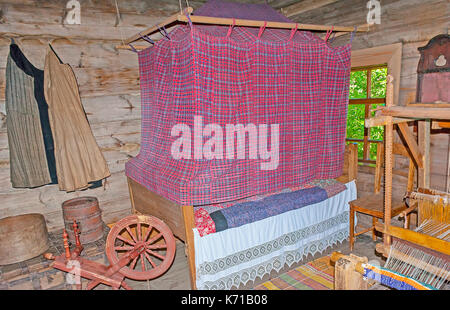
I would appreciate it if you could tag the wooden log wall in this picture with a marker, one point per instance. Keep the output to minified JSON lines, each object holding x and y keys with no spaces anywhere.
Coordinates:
{"x":411,"y":22}
{"x":109,"y":86}
{"x":109,"y":79}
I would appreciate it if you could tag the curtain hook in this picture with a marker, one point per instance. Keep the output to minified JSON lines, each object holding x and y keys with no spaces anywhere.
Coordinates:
{"x":147,"y":38}
{"x":231,"y":27}
{"x":261,"y":30}
{"x":329,"y":33}
{"x":333,"y":37}
{"x":164,"y":32}
{"x":132,"y":48}
{"x":293,"y":31}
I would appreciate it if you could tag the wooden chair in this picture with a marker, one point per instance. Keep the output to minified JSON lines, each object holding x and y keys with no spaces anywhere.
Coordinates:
{"x":373,"y":205}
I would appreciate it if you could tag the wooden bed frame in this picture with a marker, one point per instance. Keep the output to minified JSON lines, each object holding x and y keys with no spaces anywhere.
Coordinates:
{"x":180,"y":218}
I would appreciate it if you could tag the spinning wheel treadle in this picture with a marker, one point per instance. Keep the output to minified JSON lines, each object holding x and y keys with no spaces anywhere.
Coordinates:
{"x":147,"y":235}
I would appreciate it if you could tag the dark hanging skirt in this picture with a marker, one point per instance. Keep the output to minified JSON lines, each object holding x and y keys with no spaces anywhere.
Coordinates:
{"x":30,"y":139}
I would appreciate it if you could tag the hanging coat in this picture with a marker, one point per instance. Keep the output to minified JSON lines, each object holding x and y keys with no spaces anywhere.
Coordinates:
{"x":30,"y":140}
{"x":79,"y":160}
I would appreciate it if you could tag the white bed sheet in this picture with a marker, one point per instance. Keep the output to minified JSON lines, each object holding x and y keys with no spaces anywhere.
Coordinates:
{"x":238,"y":255}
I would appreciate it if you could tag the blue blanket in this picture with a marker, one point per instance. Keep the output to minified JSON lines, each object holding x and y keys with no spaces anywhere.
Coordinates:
{"x":251,"y":211}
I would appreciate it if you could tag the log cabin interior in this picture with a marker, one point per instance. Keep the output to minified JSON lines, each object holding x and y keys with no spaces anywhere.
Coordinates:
{"x":224,"y":145}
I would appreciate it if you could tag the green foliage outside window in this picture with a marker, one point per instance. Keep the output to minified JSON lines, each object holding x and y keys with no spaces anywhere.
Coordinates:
{"x":356,"y":112}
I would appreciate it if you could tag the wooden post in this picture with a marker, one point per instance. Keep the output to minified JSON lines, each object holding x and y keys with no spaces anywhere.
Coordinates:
{"x":424,"y":146}
{"x":388,"y":165}
{"x":347,"y":273}
{"x":352,"y":162}
{"x":66,"y":244}
{"x":379,"y":168}
{"x":76,"y":232}
{"x":447,"y":179}
{"x":130,"y":190}
{"x":189,"y":224}
{"x":412,"y":144}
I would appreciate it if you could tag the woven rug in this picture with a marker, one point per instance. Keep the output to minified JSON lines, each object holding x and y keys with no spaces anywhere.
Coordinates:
{"x":315,"y":275}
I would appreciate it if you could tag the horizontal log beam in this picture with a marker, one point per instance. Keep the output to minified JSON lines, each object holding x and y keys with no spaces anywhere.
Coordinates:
{"x":261,"y":23}
{"x":417,"y":112}
{"x":367,"y":101}
{"x":382,"y":121}
{"x":304,"y":6}
{"x":241,"y":22}
{"x":423,"y":240}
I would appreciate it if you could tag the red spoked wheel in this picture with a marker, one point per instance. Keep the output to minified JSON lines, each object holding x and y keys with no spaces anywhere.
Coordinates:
{"x":146,"y":235}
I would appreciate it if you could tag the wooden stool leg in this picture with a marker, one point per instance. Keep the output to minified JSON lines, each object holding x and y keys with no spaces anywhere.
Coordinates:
{"x":352,"y":227}
{"x":374,"y":235}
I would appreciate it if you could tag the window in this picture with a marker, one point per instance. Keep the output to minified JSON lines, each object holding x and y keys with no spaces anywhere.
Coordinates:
{"x":367,"y":92}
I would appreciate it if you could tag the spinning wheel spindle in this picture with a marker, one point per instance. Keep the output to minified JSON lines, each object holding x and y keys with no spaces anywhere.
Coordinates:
{"x":66,"y":244}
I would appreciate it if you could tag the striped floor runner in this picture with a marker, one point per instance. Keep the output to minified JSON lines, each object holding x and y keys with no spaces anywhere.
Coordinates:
{"x":315,"y":275}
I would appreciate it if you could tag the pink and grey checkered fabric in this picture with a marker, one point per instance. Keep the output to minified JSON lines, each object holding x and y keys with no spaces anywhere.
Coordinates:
{"x":298,"y":82}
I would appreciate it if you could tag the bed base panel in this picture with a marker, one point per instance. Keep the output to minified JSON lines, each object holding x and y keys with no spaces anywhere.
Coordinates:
{"x":180,"y":218}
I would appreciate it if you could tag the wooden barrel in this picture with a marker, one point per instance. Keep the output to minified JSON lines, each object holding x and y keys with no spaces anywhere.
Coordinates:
{"x":86,"y":212}
{"x":22,"y":237}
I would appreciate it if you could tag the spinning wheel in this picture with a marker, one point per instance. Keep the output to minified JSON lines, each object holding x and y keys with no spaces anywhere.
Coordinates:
{"x":138,"y":247}
{"x":148,"y":237}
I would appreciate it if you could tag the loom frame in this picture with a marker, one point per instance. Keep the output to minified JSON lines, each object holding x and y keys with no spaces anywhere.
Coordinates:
{"x":420,"y":152}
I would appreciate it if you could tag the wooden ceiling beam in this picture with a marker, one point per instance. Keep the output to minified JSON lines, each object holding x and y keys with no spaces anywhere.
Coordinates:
{"x":304,"y":6}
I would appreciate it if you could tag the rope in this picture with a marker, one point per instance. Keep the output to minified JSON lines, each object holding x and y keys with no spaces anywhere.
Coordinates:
{"x":118,"y":17}
{"x":189,"y":19}
{"x":352,"y":35}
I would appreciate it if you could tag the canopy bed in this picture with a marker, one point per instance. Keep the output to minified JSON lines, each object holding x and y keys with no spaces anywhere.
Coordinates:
{"x":251,"y":206}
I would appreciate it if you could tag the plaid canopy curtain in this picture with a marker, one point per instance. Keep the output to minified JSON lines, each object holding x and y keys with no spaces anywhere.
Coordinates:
{"x":204,"y":80}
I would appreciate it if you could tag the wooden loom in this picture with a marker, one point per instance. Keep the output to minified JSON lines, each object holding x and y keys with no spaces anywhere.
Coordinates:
{"x":417,"y":258}
{"x":356,"y":273}
{"x":180,"y":218}
{"x":431,"y":236}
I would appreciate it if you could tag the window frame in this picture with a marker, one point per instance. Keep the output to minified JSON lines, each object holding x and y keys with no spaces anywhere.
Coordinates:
{"x":389,"y":55}
{"x":367,"y":102}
